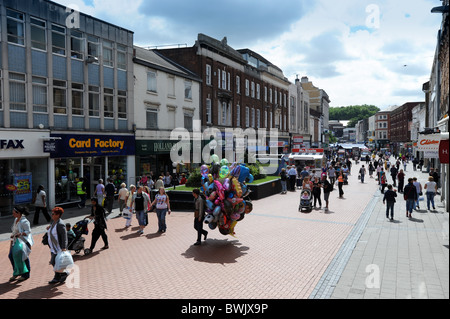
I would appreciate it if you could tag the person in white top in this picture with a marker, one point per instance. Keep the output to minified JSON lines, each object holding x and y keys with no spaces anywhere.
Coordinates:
{"x":162,"y":207}
{"x":431,"y":188}
{"x":21,"y":234}
{"x":123,"y":193}
{"x":40,"y":203}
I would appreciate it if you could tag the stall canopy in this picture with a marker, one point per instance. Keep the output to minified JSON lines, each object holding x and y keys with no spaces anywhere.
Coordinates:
{"x":306,"y":154}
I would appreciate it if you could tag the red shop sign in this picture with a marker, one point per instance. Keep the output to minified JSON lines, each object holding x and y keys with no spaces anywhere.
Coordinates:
{"x":443,"y":152}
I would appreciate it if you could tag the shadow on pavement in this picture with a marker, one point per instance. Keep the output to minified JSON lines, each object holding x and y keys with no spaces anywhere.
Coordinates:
{"x":216,"y":251}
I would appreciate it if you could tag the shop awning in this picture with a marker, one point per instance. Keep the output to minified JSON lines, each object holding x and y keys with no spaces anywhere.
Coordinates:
{"x":305,"y":157}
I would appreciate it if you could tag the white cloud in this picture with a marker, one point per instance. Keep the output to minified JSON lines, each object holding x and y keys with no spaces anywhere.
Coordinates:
{"x":356,"y":50}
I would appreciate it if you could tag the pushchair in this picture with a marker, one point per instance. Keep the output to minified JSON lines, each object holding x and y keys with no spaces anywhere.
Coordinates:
{"x":77,"y":243}
{"x":305,"y":200}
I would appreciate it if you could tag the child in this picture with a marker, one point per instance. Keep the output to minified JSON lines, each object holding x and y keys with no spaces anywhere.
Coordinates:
{"x":70,"y":234}
{"x":389,"y":197}
{"x":305,"y":195}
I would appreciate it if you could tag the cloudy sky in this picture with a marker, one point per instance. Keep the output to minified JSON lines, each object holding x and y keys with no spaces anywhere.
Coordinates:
{"x":376,"y":52}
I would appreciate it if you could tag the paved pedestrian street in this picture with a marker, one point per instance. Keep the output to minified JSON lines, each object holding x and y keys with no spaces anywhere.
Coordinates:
{"x":350,"y":251}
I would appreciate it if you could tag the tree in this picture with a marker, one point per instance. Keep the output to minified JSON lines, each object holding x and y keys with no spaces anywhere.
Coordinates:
{"x":352,"y":113}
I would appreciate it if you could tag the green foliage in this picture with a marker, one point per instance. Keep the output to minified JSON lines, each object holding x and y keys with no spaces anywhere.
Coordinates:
{"x":352,"y":113}
{"x":195,"y":179}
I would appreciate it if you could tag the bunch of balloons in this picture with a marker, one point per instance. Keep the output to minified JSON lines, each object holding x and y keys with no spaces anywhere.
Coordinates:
{"x":226,"y":192}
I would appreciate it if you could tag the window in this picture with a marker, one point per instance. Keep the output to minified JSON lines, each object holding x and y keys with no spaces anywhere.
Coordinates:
{"x":225,"y":113}
{"x":1,"y":96}
{"x":108,"y":104}
{"x":17,"y":94}
{"x":258,"y":91}
{"x":77,"y":99}
{"x":58,"y":40}
{"x":171,"y":86}
{"x":151,"y":81}
{"x":247,"y":116}
{"x":208,"y":74}
{"x":228,"y":82}
{"x":258,"y":118}
{"x":76,"y":44}
{"x":152,"y":118}
{"x":15,"y":27}
{"x":39,"y":94}
{"x":108,"y":54}
{"x":253,"y":89}
{"x":238,"y":85}
{"x":188,"y":121}
{"x":265,"y":94}
{"x":270,"y":95}
{"x":38,"y":34}
{"x":59,"y":97}
{"x":188,"y":90}
{"x":208,"y":111}
{"x":121,"y":104}
{"x":93,"y":51}
{"x":253,"y":117}
{"x":224,"y":80}
{"x":121,"y":57}
{"x":247,"y":88}
{"x":270,"y":120}
{"x":276,"y":94}
{"x":238,"y":115}
{"x":94,"y":101}
{"x":265,"y":118}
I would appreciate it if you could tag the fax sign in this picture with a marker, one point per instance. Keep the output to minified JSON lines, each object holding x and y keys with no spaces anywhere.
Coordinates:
{"x":8,"y":144}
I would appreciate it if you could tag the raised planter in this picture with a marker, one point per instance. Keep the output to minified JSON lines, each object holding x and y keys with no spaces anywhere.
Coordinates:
{"x":264,"y":189}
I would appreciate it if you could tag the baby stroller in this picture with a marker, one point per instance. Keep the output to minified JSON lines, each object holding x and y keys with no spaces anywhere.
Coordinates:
{"x":77,"y":243}
{"x":305,"y":200}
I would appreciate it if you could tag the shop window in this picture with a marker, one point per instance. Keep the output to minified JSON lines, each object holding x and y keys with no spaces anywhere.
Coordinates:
{"x":67,"y":170}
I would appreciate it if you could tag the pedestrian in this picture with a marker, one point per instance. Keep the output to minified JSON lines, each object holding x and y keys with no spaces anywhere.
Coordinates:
{"x":435,"y":174}
{"x":316,"y":191}
{"x":99,"y":192}
{"x":199,"y":214}
{"x":410,"y":195}
{"x":141,"y":201}
{"x":128,"y":210}
{"x":383,"y":181}
{"x":283,"y":180}
{"x":122,"y":197}
{"x":307,"y":184}
{"x":99,"y":216}
{"x":292,"y":178}
{"x":167,"y":180}
{"x":401,"y":180}
{"x":379,"y":170}
{"x":40,"y":204}
{"x":394,"y":172}
{"x":332,"y":175}
{"x":159,"y":183}
{"x":420,"y":164}
{"x":81,"y":192}
{"x":362,"y":173}
{"x":57,"y":241}
{"x":303,"y":174}
{"x":431,"y":188}
{"x":389,"y":200}
{"x":110,"y":190}
{"x":21,"y":236}
{"x":327,"y":189}
{"x":162,"y":207}
{"x":371,"y":170}
{"x":418,"y":186}
{"x":340,"y":184}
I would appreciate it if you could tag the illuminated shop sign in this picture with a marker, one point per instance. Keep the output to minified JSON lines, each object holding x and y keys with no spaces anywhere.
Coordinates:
{"x":78,"y":145}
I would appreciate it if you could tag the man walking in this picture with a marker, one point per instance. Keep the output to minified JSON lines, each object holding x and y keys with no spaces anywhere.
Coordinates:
{"x":410,"y":196}
{"x":81,"y":192}
{"x":199,"y":213}
{"x":292,"y":177}
{"x":110,"y":189}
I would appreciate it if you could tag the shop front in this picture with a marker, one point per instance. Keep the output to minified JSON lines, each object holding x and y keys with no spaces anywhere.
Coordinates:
{"x":311,"y":158}
{"x":92,"y":157}
{"x":23,"y":167}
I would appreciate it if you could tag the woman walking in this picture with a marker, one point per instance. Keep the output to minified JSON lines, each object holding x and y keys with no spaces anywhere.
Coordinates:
{"x":327,"y":188}
{"x":316,"y":191}
{"x":21,"y":235}
{"x":141,"y":201}
{"x":401,"y":180}
{"x":431,"y":190}
{"x":340,"y":184}
{"x":40,"y":203}
{"x":100,"y":192}
{"x":99,"y":216}
{"x":57,"y":241}
{"x":123,"y":193}
{"x":129,"y":205}
{"x":162,"y":207}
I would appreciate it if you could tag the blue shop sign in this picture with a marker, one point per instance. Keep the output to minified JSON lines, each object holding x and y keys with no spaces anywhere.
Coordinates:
{"x":79,"y":145}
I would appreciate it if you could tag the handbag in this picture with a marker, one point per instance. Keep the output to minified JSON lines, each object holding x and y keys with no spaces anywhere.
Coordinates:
{"x":45,"y":239}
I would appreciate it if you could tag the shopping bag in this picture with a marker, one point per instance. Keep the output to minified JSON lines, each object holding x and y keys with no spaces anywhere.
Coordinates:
{"x":126,"y":213}
{"x":62,"y":260}
{"x":17,"y":253}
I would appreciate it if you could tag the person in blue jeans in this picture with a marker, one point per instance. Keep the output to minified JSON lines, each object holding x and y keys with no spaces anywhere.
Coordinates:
{"x":162,"y":207}
{"x":431,"y":190}
{"x":389,"y":200}
{"x":410,"y":196}
{"x":283,"y":180}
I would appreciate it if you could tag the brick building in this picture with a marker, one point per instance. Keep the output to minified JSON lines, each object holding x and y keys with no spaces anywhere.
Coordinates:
{"x":400,"y":125}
